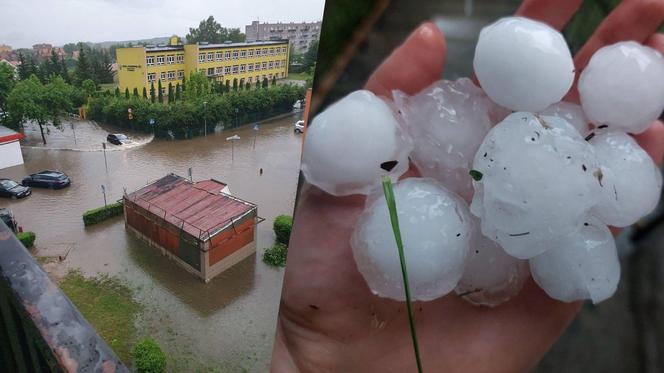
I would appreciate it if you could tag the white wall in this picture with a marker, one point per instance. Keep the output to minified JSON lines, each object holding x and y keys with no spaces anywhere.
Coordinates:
{"x":10,"y":154}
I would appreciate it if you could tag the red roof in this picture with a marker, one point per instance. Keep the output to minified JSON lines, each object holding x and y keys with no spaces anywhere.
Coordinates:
{"x":199,"y":205}
{"x":7,"y":135}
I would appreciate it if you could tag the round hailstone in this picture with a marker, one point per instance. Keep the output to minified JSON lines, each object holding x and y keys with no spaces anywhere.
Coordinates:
{"x":447,"y":122}
{"x":631,"y":182}
{"x":570,"y":112}
{"x":347,"y":143}
{"x":436,"y":230}
{"x":523,"y":65}
{"x":623,"y":87}
{"x":582,"y":266}
{"x":538,"y":180}
{"x":491,"y":276}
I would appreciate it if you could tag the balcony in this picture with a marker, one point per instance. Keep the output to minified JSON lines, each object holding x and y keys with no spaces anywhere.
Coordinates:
{"x":40,"y":329}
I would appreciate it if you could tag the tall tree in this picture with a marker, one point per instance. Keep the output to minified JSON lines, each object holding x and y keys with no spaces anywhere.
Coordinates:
{"x":89,"y":88}
{"x":235,"y":84}
{"x":7,"y":82}
{"x":178,"y":91}
{"x":248,"y":86}
{"x":83,"y":69}
{"x":211,"y":31}
{"x":310,"y":55}
{"x":274,"y":80}
{"x":152,"y":93}
{"x":265,"y":82}
{"x":160,"y":94}
{"x":145,"y":93}
{"x":127,"y":93}
{"x":136,"y":92}
{"x":117,"y":91}
{"x":64,"y":71}
{"x":171,"y":96}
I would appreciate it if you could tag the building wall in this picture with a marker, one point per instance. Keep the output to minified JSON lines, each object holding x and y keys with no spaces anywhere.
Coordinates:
{"x":10,"y":154}
{"x":300,"y":35}
{"x":134,"y":71}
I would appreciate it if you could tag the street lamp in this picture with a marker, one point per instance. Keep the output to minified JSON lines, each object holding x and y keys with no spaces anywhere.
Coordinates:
{"x":236,"y":121}
{"x":205,"y":116}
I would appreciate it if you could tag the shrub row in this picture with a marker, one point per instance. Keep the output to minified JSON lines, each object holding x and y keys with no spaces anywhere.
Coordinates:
{"x":27,"y":238}
{"x":95,"y":216}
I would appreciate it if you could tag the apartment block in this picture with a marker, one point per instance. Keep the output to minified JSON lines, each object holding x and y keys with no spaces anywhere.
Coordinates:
{"x":300,"y":34}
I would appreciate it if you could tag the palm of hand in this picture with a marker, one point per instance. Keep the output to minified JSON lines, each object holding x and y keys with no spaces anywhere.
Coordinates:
{"x":330,"y":321}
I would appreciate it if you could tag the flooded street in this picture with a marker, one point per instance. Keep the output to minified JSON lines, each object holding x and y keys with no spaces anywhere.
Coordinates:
{"x":228,"y":323}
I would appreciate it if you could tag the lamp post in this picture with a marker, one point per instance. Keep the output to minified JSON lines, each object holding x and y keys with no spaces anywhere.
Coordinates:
{"x":205,"y":116}
{"x":236,"y":111}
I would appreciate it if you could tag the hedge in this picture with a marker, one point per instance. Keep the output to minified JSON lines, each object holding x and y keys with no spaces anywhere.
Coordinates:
{"x":276,"y":255}
{"x":27,"y":238}
{"x":148,"y":356}
{"x":282,"y":228}
{"x":95,"y":216}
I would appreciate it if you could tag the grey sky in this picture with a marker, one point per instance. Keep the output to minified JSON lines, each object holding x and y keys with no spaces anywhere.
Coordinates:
{"x":27,"y":22}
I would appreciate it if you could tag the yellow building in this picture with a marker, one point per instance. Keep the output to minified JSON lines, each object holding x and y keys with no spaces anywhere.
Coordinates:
{"x":139,"y":67}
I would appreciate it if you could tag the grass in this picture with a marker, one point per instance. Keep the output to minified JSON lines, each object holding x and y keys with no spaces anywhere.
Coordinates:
{"x":107,"y":87}
{"x":109,"y":307}
{"x":299,"y":76}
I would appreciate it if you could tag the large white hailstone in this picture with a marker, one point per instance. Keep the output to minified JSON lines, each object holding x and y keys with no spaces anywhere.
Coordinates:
{"x":447,"y":122}
{"x":436,"y":230}
{"x":623,"y":87}
{"x":523,"y":65}
{"x":631,"y":182}
{"x":572,"y":113}
{"x":584,"y":265}
{"x":347,"y":143}
{"x":539,"y":177}
{"x":491,"y":276}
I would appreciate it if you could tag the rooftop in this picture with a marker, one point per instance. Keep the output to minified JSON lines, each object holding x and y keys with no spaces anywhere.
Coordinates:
{"x":9,"y":135}
{"x":166,"y":48}
{"x":199,"y":208}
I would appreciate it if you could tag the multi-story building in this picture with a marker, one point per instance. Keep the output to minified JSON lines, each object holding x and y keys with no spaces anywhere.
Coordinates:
{"x":44,"y":50}
{"x":300,"y":34}
{"x":140,"y":67}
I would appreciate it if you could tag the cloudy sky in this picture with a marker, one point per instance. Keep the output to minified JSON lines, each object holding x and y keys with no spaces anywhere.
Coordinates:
{"x":27,"y":22}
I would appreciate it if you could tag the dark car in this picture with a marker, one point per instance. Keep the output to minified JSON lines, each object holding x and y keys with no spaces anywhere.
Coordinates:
{"x":8,"y":218}
{"x":117,"y":138}
{"x":12,"y":189}
{"x":47,"y":179}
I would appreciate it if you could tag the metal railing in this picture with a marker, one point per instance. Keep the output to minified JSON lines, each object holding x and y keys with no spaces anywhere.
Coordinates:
{"x":40,"y":329}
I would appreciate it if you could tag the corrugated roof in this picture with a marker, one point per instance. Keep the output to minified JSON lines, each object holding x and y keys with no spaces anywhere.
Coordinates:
{"x":199,"y":205}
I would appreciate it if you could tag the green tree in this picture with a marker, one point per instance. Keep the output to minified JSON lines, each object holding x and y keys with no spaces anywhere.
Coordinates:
{"x":64,"y":71}
{"x":258,"y":83}
{"x":228,"y":85}
{"x":178,"y":91}
{"x":117,"y":91}
{"x":171,"y":96}
{"x":241,"y":86}
{"x":160,"y":94}
{"x":184,"y":83}
{"x":7,"y":83}
{"x":69,"y":48}
{"x":135,"y":92}
{"x":127,"y":93}
{"x":235,"y":84}
{"x":274,"y":80}
{"x":152,"y":92}
{"x":89,"y":88}
{"x":248,"y":86}
{"x":265,"y":83}
{"x":145,"y":93}
{"x":32,"y":100}
{"x":209,"y":30}
{"x":310,"y":55}
{"x":83,"y":69}
{"x":26,"y":67}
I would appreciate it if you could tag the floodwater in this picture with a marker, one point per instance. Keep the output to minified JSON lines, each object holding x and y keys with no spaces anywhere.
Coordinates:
{"x":228,"y":323}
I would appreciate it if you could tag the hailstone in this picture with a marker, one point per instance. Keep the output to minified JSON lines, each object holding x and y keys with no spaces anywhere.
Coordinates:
{"x":623,"y":87}
{"x":631,"y":182}
{"x":584,"y":265}
{"x":447,"y":122}
{"x":522,"y":64}
{"x":436,"y":230}
{"x":347,"y":143}
{"x":491,"y":276}
{"x":572,"y":113}
{"x":539,"y":177}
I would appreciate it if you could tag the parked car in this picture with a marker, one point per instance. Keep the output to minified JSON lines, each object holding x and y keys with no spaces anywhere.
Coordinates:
{"x":117,"y":138}
{"x":299,"y":126}
{"x":12,"y":189}
{"x":7,"y":217}
{"x":47,"y":179}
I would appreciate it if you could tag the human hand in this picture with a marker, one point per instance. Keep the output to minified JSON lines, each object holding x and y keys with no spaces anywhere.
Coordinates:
{"x":329,"y":320}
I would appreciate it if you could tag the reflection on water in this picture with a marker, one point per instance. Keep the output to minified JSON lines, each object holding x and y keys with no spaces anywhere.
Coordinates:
{"x":230,"y":320}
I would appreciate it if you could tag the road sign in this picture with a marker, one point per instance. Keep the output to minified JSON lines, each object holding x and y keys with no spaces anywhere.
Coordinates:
{"x":234,"y":137}
{"x":255,"y":127}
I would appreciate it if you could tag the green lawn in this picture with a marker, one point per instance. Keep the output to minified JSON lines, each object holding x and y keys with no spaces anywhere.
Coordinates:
{"x":298,"y":76}
{"x":107,"y":87}
{"x":108,"y":305}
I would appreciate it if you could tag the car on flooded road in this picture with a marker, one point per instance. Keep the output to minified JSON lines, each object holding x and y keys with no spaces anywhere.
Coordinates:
{"x":298,"y":127}
{"x":7,"y":217}
{"x":11,"y":189}
{"x":47,"y":179}
{"x":117,"y":138}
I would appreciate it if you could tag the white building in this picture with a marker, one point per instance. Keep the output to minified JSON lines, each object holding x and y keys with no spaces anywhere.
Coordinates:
{"x":300,"y":34}
{"x":10,"y":148}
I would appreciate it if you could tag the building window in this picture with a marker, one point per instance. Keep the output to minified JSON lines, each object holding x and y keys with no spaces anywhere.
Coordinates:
{"x":180,"y":74}
{"x":243,"y":54}
{"x":149,"y":60}
{"x":271,"y":51}
{"x":210,"y":57}
{"x":219,"y":70}
{"x":163,"y":91}
{"x":163,"y":75}
{"x":201,"y":57}
{"x":210,"y":71}
{"x":180,"y":58}
{"x":264,"y":52}
{"x":242,"y":67}
{"x":257,"y":66}
{"x":264,"y":65}
{"x":271,"y":65}
{"x":219,"y":56}
{"x":235,"y":69}
{"x":227,"y":70}
{"x":250,"y":53}
{"x":235,"y":55}
{"x":171,"y":75}
{"x":250,"y":67}
{"x":170,"y":59}
{"x":152,"y":77}
{"x":227,"y":55}
{"x":258,"y":78}
{"x":160,"y":60}
{"x":270,"y":77}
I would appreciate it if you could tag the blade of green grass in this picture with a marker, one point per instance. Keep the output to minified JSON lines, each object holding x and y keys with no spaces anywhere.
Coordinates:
{"x":394,"y":219}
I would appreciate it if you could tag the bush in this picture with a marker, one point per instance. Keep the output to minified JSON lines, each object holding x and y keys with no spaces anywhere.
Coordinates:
{"x":148,"y":356}
{"x":26,"y":238}
{"x":276,"y":255}
{"x":95,"y":216}
{"x":282,"y":228}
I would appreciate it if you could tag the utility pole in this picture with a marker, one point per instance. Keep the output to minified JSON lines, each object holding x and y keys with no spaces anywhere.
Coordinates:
{"x":103,"y":145}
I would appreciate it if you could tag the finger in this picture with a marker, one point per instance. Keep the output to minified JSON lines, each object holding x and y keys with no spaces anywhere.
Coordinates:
{"x":652,"y":141}
{"x":414,"y":65}
{"x":656,"y":41}
{"x":555,"y":13}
